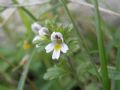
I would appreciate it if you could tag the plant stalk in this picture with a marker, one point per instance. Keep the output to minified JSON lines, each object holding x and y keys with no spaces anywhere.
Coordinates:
{"x":74,"y":73}
{"x":81,"y":39}
{"x":75,"y":25}
{"x":102,"y":53}
{"x":25,"y":10}
{"x":24,"y":74}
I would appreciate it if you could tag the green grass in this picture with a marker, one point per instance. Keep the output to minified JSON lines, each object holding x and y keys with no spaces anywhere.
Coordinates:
{"x":102,"y":53}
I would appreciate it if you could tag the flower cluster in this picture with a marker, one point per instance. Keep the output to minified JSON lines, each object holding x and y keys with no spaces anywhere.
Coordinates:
{"x":57,"y":44}
{"x":40,"y":32}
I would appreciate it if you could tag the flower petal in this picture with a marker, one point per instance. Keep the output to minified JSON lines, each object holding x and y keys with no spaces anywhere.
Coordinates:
{"x":49,"y":47}
{"x":56,"y":35}
{"x":64,"y":48}
{"x":36,"y":39}
{"x":35,"y":27}
{"x":43,"y":31}
{"x":53,"y":36}
{"x":56,"y":54}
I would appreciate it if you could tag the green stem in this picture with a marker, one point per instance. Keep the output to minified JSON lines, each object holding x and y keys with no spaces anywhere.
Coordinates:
{"x":74,"y":72}
{"x":117,"y":83}
{"x":29,"y":13}
{"x":75,"y":25}
{"x":80,"y":37}
{"x":24,"y":74}
{"x":102,"y":54}
{"x":24,"y":9}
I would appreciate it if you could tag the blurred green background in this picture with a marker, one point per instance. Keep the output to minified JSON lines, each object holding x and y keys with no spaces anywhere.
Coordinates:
{"x":16,"y":48}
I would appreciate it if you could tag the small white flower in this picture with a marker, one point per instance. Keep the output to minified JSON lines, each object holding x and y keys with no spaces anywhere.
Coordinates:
{"x":36,"y":27}
{"x":57,"y":45}
{"x":39,"y":31}
{"x":43,"y":31}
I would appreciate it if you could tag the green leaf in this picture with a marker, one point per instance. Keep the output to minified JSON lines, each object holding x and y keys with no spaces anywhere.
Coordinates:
{"x":25,"y":19}
{"x":54,"y":72}
{"x":113,"y":74}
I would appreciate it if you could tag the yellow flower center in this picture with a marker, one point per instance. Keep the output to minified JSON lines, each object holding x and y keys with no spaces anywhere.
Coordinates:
{"x":57,"y":47}
{"x":26,"y":45}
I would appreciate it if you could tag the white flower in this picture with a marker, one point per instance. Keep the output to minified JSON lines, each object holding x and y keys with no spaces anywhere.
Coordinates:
{"x":57,"y":45}
{"x":39,"y":31}
{"x":35,"y":27}
{"x":43,"y":31}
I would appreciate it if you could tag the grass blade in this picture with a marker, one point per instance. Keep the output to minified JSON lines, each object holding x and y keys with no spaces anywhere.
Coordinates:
{"x":102,"y":54}
{"x":25,"y":10}
{"x":24,"y":74}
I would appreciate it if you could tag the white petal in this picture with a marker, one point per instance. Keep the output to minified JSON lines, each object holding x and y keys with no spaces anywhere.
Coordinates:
{"x":64,"y":48}
{"x":43,"y":31}
{"x":49,"y":47}
{"x":56,"y":54}
{"x":36,"y":39}
{"x":58,"y":34}
{"x":53,"y":36}
{"x":35,"y":27}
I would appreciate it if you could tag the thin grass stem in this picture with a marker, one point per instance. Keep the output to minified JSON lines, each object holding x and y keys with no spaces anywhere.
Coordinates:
{"x":102,"y":54}
{"x":28,"y":12}
{"x":81,"y":39}
{"x":24,"y":74}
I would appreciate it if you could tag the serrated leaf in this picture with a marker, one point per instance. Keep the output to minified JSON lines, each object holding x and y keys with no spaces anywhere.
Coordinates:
{"x":54,"y":72}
